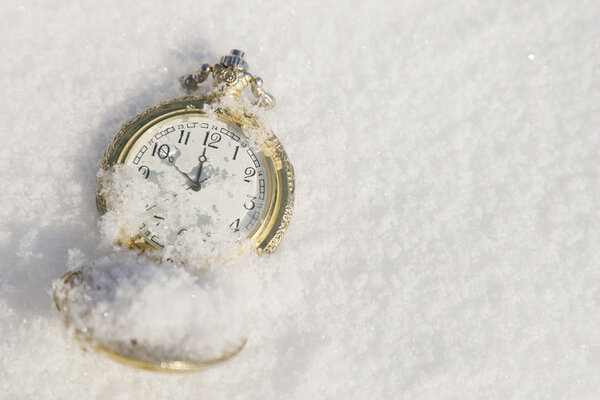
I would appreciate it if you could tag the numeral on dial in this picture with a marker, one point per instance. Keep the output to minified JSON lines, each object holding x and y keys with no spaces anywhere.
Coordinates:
{"x":214,"y":139}
{"x":235,"y":152}
{"x":251,"y":205}
{"x":162,"y":151}
{"x":144,"y":170}
{"x":235,"y":225}
{"x":187,"y":137}
{"x":250,"y":172}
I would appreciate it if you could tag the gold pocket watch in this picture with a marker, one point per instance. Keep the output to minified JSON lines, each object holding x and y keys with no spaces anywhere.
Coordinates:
{"x":230,"y":169}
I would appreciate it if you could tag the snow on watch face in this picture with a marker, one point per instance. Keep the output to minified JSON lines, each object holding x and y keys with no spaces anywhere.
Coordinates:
{"x":210,"y":176}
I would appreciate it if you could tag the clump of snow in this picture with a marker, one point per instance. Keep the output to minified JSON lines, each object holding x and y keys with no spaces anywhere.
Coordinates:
{"x":128,"y":197}
{"x":155,"y":312}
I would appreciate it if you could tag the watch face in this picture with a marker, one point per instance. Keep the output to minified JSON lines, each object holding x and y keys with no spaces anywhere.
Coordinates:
{"x":209,"y":176}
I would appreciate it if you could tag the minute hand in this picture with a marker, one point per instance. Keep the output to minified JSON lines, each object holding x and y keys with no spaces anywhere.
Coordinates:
{"x":202,"y":159}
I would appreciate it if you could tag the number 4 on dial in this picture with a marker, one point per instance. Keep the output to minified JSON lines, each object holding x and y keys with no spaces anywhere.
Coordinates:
{"x":235,"y":225}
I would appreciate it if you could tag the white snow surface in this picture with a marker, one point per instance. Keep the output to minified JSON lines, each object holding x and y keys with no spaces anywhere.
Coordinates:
{"x":446,"y":235}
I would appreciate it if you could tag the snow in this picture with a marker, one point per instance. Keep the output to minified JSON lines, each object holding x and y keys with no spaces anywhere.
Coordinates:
{"x":157,"y":312}
{"x":445,"y":236}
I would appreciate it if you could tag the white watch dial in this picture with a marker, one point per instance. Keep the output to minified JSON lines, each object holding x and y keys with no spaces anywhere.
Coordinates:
{"x":205,"y":168}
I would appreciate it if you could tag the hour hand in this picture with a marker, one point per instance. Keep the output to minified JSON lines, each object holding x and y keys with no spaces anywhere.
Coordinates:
{"x":189,"y":180}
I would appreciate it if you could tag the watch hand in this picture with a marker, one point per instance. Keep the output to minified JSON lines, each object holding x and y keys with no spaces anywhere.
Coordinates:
{"x":185,"y":175}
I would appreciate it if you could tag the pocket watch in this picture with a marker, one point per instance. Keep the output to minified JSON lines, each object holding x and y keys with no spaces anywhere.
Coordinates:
{"x":232,"y":173}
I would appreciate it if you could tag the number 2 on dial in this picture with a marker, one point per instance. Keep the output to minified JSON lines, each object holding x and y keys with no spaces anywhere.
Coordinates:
{"x":250,"y":172}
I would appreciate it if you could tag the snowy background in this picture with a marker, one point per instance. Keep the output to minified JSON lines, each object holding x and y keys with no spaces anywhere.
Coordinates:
{"x":446,"y":239}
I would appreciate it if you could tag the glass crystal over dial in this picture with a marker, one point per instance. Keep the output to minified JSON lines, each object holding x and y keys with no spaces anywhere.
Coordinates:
{"x":210,"y":176}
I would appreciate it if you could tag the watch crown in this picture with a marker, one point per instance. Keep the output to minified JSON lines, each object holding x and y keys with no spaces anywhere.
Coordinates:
{"x":235,"y":60}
